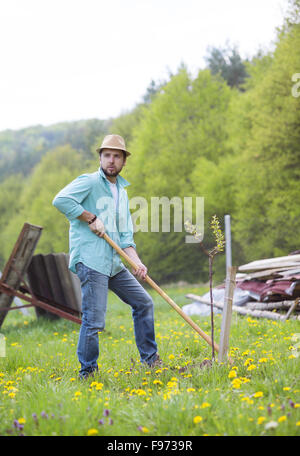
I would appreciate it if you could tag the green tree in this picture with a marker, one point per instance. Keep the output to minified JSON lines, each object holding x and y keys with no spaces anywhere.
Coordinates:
{"x":21,"y":150}
{"x":228,"y":63}
{"x":265,"y":220}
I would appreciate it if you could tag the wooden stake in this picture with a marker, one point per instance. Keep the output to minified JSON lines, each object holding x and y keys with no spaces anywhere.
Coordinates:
{"x":227,"y":313}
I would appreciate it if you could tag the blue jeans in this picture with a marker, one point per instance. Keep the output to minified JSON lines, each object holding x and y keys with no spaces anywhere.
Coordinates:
{"x":94,"y":289}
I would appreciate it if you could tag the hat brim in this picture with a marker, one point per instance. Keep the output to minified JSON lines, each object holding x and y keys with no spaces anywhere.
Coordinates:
{"x":116,"y":148}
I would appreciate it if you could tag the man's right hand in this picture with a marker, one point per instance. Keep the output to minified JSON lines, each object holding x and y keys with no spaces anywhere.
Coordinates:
{"x":97,"y":227}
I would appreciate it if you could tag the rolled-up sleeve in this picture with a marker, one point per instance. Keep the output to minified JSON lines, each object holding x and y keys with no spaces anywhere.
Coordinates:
{"x":69,"y":199}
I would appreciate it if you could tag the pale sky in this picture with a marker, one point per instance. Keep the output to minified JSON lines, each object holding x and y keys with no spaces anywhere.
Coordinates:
{"x":64,"y":60}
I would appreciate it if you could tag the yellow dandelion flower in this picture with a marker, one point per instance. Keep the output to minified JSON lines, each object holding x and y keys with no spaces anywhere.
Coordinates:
{"x":92,"y":431}
{"x":141,"y":392}
{"x":171,"y":356}
{"x":258,"y":394}
{"x":286,"y":388}
{"x":292,"y":356}
{"x":232,"y":374}
{"x":263,"y":360}
{"x":205,"y":405}
{"x":197,"y":419}
{"x":172,"y":384}
{"x":282,"y":418}
{"x":21,"y":420}
{"x":236,"y":383}
{"x":77,"y":393}
{"x":247,"y":399}
{"x":189,"y":390}
{"x":251,"y":367}
{"x":144,"y":429}
{"x":261,"y":419}
{"x":298,"y":423}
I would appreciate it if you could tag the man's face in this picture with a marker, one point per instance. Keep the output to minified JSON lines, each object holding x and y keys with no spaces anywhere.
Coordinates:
{"x":112,"y":162}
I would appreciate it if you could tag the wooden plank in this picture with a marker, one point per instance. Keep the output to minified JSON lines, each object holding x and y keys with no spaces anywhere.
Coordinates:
{"x":274,"y":265}
{"x":18,"y":262}
{"x":291,"y":309}
{"x":38,"y":303}
{"x":270,"y":263}
{"x":281,"y":305}
{"x":227,"y":313}
{"x":39,"y":283}
{"x":242,"y":310}
{"x":269,"y":273}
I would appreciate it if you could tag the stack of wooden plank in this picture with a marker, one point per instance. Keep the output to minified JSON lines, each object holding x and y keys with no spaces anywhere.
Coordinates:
{"x":271,"y":279}
{"x":273,"y":285}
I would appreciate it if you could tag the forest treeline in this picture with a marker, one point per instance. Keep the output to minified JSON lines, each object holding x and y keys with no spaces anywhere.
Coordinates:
{"x":230,"y":134}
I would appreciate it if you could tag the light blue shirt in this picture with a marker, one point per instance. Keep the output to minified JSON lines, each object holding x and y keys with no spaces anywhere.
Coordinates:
{"x":91,"y":192}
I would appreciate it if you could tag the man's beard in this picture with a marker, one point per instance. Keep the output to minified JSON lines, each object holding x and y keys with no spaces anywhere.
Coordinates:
{"x":113,"y":174}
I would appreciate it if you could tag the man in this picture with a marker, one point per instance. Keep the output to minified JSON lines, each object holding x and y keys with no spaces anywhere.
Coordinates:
{"x":95,"y":203}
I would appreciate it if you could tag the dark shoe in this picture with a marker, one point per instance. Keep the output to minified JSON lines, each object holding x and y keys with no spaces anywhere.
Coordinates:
{"x":157,"y":362}
{"x":87,"y":374}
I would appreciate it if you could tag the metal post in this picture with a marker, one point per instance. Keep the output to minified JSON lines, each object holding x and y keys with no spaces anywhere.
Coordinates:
{"x":228,"y":242}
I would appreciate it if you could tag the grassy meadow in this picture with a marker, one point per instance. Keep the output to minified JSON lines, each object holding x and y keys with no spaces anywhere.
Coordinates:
{"x":41,"y":394}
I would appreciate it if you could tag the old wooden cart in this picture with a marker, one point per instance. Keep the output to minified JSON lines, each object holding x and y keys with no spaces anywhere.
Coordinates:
{"x":43,"y":281}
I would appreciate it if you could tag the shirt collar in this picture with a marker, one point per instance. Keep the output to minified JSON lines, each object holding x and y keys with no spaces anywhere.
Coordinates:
{"x":120,"y":180}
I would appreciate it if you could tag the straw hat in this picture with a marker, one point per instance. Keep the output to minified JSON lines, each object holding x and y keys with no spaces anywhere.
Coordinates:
{"x":113,"y":142}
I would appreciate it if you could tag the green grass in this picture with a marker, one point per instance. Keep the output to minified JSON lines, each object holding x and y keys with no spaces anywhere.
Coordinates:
{"x":39,"y":383}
